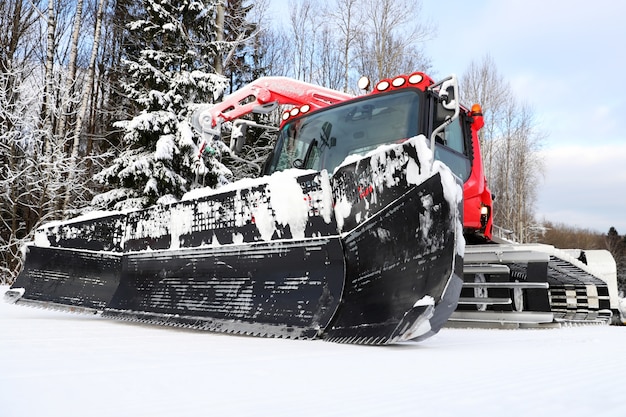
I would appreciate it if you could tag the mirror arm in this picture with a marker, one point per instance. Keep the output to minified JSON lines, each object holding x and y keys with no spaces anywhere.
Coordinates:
{"x":444,"y":84}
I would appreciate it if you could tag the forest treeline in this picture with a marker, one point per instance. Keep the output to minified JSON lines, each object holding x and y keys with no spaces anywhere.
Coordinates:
{"x":96,"y":98}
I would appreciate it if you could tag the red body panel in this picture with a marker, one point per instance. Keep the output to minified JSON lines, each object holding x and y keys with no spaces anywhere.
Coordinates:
{"x":476,"y":193}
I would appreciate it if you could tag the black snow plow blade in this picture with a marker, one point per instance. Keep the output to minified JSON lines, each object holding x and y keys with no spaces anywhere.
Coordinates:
{"x":356,"y":258}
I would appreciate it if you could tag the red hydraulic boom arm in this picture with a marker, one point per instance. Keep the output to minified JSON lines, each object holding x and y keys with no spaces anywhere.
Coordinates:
{"x":262,"y":96}
{"x":265,"y":94}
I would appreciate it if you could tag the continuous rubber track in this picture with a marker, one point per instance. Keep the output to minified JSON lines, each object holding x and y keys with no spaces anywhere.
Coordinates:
{"x":503,"y":285}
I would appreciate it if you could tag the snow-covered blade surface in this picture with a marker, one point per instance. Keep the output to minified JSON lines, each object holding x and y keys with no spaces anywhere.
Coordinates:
{"x":371,"y":255}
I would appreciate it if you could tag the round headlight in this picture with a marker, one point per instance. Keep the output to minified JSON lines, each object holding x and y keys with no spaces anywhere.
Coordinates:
{"x":363,"y":83}
{"x":415,"y":78}
{"x":383,"y":85}
{"x":398,"y":82}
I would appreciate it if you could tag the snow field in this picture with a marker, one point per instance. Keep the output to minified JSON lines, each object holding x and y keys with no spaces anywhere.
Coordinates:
{"x":61,"y":364}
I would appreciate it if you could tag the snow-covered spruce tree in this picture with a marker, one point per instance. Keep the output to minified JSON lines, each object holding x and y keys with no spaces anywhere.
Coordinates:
{"x":169,"y":60}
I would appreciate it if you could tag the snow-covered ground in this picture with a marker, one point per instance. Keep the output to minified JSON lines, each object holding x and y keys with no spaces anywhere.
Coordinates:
{"x":60,"y":364}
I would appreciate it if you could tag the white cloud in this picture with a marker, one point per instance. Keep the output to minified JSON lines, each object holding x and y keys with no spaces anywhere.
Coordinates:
{"x":564,"y":60}
{"x":585,"y":186}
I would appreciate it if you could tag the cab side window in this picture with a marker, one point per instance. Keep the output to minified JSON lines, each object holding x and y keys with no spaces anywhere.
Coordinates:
{"x":450,"y":144}
{"x":454,"y":136}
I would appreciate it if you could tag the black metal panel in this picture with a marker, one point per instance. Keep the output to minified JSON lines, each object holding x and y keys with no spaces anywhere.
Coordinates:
{"x":449,"y":302}
{"x":96,"y":234}
{"x":395,"y":259}
{"x":372,"y":183}
{"x":218,"y":218}
{"x":281,"y":287}
{"x":69,"y":277}
{"x":537,"y":299}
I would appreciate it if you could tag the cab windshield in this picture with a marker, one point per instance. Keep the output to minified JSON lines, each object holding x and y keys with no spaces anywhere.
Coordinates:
{"x":324,"y":139}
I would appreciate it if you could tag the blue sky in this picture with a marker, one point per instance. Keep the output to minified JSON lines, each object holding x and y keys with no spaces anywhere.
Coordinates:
{"x":567,"y":60}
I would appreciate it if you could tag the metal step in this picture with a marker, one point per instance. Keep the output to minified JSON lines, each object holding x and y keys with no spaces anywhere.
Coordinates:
{"x":512,"y":285}
{"x":485,"y":268}
{"x":485,"y":300}
{"x":530,"y":317}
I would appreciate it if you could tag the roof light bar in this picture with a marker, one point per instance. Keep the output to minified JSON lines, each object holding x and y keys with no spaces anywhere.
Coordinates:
{"x":287,"y":114}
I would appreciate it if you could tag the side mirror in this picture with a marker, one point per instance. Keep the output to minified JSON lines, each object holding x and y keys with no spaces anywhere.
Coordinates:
{"x":238,"y":135}
{"x":448,"y":95}
{"x":448,"y":91}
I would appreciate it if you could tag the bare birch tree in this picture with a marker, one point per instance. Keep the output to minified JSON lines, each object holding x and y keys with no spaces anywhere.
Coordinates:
{"x":303,"y":27}
{"x":346,"y":16}
{"x":348,"y":38}
{"x":481,"y":83}
{"x":41,"y":70}
{"x":271,"y":54}
{"x":86,"y":94}
{"x":510,"y":144}
{"x":71,"y":70}
{"x":394,"y":32}
{"x":330,"y":71}
{"x":20,"y":98}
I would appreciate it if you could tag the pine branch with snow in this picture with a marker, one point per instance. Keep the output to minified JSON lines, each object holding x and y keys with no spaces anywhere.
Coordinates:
{"x":159,"y":161}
